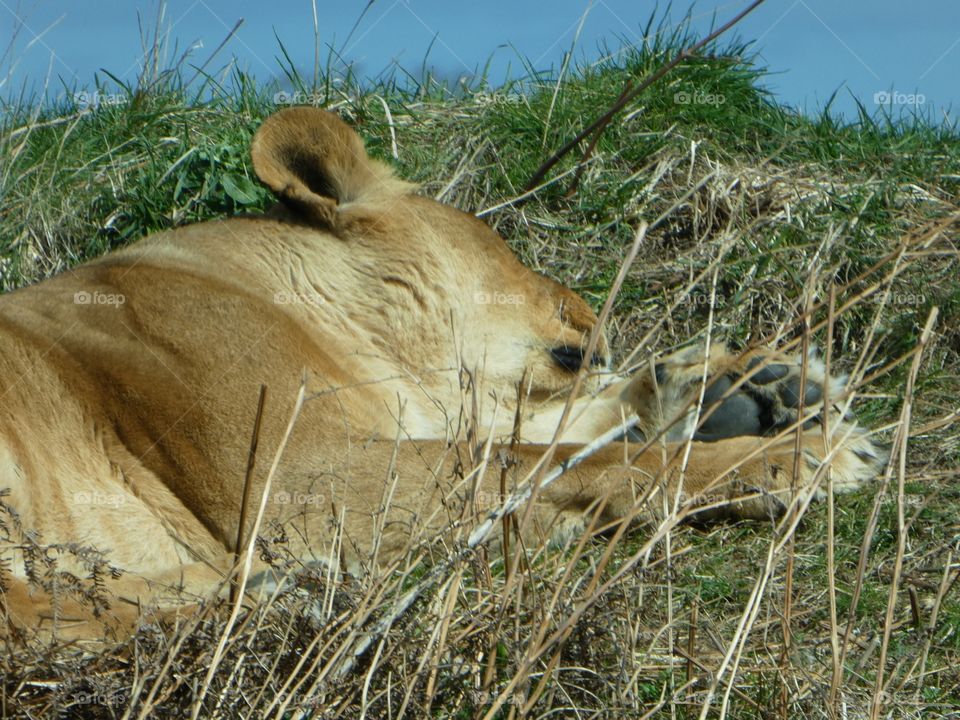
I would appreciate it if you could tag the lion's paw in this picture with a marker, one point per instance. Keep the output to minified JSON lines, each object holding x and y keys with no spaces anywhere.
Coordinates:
{"x":761,"y":393}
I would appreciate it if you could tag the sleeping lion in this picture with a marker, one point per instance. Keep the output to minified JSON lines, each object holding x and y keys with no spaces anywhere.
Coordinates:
{"x":130,"y":387}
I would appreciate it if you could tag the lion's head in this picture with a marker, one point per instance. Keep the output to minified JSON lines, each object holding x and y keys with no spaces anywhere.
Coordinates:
{"x":434,"y":283}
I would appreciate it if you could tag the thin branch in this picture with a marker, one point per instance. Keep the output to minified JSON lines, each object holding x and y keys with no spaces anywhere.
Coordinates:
{"x":251,"y":463}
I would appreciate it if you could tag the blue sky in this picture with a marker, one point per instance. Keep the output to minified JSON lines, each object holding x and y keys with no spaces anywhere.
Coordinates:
{"x":878,"y":50}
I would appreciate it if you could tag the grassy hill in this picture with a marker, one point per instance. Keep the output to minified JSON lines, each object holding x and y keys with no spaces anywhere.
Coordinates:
{"x":758,"y":218}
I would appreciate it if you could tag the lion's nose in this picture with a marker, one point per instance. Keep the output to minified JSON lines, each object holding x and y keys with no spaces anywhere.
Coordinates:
{"x":571,"y":358}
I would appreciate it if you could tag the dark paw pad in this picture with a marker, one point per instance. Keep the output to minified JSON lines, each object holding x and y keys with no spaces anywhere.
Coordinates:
{"x":735,"y":414}
{"x":765,"y":401}
{"x":790,"y":393}
{"x":768,"y":374}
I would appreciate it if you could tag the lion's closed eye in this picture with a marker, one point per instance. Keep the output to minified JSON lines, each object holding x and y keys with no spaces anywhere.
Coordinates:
{"x":572,"y":358}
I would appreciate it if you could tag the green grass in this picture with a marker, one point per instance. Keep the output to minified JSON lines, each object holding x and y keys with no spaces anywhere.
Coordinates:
{"x":76,"y":183}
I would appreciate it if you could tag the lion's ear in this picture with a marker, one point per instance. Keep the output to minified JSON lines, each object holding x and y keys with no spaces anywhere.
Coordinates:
{"x":314,"y":162}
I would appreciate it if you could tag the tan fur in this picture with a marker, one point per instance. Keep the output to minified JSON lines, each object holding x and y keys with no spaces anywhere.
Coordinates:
{"x":124,"y":425}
